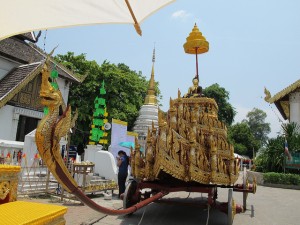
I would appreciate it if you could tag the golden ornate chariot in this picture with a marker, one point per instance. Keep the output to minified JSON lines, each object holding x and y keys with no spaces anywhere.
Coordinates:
{"x":188,"y":151}
{"x":190,"y":143}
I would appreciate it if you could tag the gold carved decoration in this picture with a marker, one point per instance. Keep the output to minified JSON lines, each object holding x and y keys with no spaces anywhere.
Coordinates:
{"x":9,"y":182}
{"x":286,"y":108}
{"x":4,"y":189}
{"x":28,"y":96}
{"x":190,"y":144}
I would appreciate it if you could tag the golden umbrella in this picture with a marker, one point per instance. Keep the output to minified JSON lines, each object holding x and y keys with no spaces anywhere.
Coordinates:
{"x":196,"y":44}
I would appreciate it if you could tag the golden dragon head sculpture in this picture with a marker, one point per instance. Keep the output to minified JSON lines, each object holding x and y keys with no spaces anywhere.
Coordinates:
{"x":49,"y":95}
{"x":48,"y":134}
{"x":51,"y":129}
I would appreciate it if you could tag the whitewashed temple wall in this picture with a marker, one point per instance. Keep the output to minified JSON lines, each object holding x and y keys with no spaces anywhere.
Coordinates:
{"x":294,"y":100}
{"x":6,"y":121}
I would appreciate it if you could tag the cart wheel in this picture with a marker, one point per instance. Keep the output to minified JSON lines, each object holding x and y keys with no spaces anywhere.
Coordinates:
{"x":128,"y":199}
{"x":229,"y":210}
{"x":245,"y":186}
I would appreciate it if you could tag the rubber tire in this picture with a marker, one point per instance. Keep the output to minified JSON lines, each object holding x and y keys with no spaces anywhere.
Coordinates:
{"x":129,"y":192}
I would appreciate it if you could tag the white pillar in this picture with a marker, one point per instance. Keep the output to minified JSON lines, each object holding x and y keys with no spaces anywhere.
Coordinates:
{"x":294,"y":99}
{"x":14,"y":127}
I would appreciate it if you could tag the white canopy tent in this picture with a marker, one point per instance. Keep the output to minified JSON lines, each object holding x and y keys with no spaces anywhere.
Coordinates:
{"x":237,"y":156}
{"x":19,"y":16}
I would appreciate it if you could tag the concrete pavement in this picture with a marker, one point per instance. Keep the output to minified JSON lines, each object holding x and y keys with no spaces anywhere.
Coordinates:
{"x":273,"y":206}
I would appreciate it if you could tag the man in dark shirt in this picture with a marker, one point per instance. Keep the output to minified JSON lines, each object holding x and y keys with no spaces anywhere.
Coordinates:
{"x":122,"y":162}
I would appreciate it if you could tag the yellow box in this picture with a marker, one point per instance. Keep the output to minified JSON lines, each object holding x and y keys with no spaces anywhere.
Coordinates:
{"x":31,"y":213}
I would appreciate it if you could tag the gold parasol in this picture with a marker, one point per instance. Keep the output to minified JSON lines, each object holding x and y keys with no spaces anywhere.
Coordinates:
{"x":196,"y":44}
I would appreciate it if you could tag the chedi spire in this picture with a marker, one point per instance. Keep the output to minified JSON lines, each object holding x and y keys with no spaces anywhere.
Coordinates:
{"x":151,"y":98}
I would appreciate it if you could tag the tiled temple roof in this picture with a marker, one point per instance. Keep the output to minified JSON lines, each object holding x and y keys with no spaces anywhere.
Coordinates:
{"x":16,"y":79}
{"x":31,"y":57}
{"x":22,"y":52}
{"x":281,"y":99}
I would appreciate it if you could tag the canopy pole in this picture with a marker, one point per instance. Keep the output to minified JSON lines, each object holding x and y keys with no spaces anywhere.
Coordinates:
{"x":197,"y":75}
{"x":136,"y":24}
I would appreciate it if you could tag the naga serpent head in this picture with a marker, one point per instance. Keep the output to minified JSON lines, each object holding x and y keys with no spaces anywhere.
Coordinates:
{"x":49,"y":95}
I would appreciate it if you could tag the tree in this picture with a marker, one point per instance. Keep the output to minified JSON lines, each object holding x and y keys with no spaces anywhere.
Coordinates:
{"x":270,"y":158}
{"x":221,"y":96}
{"x":259,"y":128}
{"x":242,"y":139}
{"x":292,"y":135}
{"x":125,"y":91}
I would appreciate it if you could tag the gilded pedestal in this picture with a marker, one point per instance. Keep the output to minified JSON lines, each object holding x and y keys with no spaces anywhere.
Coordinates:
{"x":8,"y":183}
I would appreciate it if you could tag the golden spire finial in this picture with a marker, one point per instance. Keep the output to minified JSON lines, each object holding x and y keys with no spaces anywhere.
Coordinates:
{"x":179,"y":94}
{"x":153,"y":56}
{"x":151,"y":98}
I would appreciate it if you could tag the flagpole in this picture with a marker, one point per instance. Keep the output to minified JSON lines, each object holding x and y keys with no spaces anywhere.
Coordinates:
{"x":285,"y":143}
{"x":284,"y":163}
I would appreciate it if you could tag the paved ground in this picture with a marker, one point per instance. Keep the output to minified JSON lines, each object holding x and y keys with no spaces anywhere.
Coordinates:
{"x":273,"y":206}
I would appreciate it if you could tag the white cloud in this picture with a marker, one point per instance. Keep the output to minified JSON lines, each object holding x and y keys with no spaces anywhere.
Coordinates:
{"x":181,"y":14}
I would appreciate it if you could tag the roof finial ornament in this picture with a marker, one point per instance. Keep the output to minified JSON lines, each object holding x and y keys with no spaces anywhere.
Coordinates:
{"x":268,"y":95}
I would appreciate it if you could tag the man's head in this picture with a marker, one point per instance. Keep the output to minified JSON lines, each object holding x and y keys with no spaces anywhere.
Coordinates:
{"x":121,"y":153}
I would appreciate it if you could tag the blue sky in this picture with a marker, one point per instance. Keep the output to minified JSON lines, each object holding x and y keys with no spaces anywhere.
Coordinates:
{"x":252,"y":44}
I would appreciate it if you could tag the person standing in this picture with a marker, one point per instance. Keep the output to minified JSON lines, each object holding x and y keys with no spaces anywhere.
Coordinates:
{"x":122,"y":162}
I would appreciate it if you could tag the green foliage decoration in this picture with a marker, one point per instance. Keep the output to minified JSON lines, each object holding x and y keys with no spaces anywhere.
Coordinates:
{"x":98,"y":133}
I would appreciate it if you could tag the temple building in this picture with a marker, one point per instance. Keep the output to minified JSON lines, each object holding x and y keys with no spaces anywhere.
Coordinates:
{"x":287,"y":102}
{"x":148,"y":112}
{"x":21,"y":62}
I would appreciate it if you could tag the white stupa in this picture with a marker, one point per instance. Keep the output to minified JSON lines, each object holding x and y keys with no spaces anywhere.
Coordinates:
{"x":148,"y":112}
